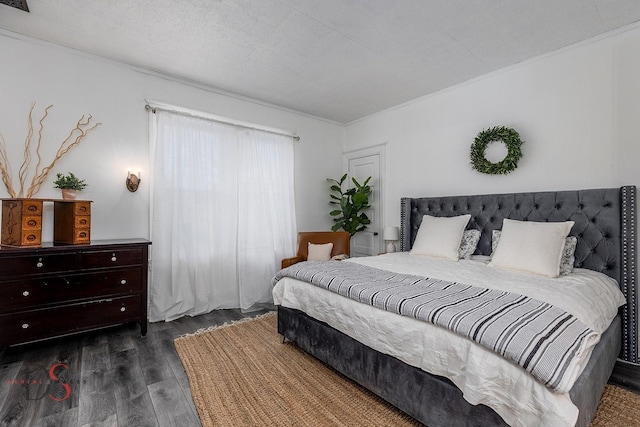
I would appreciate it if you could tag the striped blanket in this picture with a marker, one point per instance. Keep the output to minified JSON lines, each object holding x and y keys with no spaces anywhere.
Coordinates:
{"x":538,"y":336}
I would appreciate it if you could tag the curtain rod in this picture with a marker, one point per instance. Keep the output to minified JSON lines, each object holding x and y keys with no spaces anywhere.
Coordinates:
{"x":183,"y":113}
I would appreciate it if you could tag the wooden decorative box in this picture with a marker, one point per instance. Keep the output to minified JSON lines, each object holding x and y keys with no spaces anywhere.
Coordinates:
{"x":21,"y":222}
{"x":72,"y":221}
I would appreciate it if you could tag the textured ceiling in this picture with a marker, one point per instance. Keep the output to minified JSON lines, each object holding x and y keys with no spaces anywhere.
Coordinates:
{"x":18,"y":4}
{"x":337,"y":59}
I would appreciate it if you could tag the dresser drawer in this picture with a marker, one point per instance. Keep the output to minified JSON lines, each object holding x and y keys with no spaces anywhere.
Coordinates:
{"x":82,"y":208}
{"x":38,"y":324}
{"x":32,"y":207}
{"x":81,"y":236}
{"x":37,"y":264}
{"x":82,"y":222}
{"x":32,"y":223}
{"x":20,"y":295}
{"x":31,"y":237}
{"x":112,"y":258}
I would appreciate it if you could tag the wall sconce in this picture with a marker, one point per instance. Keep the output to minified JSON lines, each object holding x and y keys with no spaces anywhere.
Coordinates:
{"x":133,"y":181}
{"x":390,"y":235}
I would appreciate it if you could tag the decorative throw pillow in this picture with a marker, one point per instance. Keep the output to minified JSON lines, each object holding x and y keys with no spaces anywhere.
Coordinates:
{"x":495,"y":237}
{"x":568,"y":254}
{"x":320,"y":252}
{"x":470,"y":239}
{"x":440,"y":236}
{"x":534,"y":247}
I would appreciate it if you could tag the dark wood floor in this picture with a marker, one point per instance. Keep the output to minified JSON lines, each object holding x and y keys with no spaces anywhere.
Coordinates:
{"x":114,"y":377}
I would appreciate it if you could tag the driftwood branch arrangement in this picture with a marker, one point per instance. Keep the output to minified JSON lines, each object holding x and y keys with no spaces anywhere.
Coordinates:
{"x":77,"y":134}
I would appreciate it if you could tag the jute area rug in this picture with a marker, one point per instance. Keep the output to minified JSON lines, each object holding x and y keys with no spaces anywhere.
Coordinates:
{"x":243,"y":375}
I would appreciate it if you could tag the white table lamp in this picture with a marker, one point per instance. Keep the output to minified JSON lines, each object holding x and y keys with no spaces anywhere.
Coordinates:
{"x":390,"y":235}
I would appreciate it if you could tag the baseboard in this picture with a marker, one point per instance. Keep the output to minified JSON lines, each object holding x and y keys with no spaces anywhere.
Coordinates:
{"x":627,"y":375}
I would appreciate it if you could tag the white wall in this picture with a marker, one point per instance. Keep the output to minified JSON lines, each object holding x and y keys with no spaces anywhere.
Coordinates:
{"x":77,"y":84}
{"x":578,"y":111}
{"x":626,"y":126}
{"x":576,"y":107}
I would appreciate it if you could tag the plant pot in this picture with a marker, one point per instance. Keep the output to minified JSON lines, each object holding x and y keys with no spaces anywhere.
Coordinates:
{"x":68,"y":194}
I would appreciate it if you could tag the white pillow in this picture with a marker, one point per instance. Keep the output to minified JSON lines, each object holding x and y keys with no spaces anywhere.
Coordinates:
{"x":440,"y":236}
{"x":320,"y":252}
{"x":568,"y":254}
{"x":534,"y":247}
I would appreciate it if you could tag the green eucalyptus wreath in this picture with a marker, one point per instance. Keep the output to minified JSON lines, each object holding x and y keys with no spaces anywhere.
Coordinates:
{"x":506,"y":135}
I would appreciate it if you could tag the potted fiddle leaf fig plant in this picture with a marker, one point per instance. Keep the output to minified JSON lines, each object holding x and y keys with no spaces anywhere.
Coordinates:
{"x":351,"y":205}
{"x":69,"y":184}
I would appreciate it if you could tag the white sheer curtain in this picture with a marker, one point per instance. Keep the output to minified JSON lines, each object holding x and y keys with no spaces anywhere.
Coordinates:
{"x":223,"y":215}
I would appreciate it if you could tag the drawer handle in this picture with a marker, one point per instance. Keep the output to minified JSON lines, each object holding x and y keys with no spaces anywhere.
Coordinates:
{"x":25,"y":293}
{"x":39,"y":264}
{"x":123,"y":282}
{"x":123,"y":309}
{"x":113,"y":257}
{"x":44,"y":284}
{"x":66,"y":281}
{"x":25,"y":325}
{"x":83,"y":234}
{"x":32,"y":223}
{"x":83,"y":221}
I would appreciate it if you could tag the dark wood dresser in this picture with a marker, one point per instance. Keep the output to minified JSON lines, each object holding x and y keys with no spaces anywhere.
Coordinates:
{"x":55,"y":290}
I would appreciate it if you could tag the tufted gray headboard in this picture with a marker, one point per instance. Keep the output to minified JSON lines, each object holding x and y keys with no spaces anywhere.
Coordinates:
{"x":605,"y":225}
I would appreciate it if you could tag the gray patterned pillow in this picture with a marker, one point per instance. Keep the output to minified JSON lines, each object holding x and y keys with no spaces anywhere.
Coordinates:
{"x":495,"y":237}
{"x":470,"y":239}
{"x":568,"y":254}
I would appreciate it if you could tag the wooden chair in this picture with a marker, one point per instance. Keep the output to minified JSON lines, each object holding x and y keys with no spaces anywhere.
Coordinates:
{"x":340,"y":240}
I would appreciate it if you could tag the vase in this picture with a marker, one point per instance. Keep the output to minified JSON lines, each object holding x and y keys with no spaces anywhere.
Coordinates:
{"x":68,"y":194}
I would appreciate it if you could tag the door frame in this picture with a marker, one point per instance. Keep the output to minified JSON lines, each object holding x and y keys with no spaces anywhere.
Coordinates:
{"x":381,"y":151}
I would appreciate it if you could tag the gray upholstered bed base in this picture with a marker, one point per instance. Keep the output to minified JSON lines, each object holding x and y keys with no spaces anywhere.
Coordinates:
{"x":605,"y":223}
{"x":434,"y":401}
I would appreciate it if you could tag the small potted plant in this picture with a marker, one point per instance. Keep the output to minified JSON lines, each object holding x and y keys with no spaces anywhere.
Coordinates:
{"x":69,"y":184}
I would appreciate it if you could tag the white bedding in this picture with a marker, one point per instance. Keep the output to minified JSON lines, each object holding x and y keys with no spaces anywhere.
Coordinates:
{"x":482,"y":376}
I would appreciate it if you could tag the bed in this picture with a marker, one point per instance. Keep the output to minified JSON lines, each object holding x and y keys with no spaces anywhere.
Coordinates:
{"x":605,"y":233}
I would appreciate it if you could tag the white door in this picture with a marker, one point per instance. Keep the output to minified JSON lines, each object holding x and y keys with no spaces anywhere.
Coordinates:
{"x":361,"y":165}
